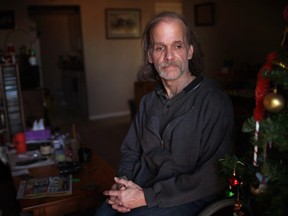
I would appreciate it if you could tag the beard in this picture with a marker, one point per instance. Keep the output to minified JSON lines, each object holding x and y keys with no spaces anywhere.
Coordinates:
{"x":168,"y":74}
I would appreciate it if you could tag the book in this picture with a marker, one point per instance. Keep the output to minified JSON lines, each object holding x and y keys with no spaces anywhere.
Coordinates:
{"x":45,"y":187}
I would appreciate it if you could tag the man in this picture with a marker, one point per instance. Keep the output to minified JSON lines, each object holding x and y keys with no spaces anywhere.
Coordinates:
{"x":171,"y":153}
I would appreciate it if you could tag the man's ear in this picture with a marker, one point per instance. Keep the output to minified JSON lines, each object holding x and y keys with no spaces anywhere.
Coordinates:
{"x":150,"y":59}
{"x":190,"y":52}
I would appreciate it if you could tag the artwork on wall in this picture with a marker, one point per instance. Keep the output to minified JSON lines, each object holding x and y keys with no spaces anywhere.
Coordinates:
{"x":7,"y":19}
{"x":204,"y":14}
{"x":123,"y":23}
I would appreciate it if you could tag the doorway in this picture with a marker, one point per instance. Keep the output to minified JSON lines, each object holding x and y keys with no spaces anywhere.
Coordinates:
{"x":61,"y":57}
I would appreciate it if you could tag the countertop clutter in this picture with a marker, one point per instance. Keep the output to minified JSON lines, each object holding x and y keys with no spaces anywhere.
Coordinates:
{"x":38,"y":173}
{"x":39,"y":147}
{"x":87,"y":185}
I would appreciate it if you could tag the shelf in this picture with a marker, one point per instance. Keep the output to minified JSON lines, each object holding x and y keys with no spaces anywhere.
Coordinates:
{"x":12,"y":117}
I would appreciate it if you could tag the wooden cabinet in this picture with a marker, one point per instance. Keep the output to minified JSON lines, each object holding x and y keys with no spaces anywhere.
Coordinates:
{"x":11,"y":109}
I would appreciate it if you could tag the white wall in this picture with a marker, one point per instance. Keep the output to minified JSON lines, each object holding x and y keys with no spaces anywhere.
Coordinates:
{"x":244,"y":30}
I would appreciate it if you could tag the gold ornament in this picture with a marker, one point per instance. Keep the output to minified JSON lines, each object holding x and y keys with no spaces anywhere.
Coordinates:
{"x":273,"y":102}
{"x":281,"y":64}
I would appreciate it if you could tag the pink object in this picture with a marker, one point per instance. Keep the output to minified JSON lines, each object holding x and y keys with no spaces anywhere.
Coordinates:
{"x":38,"y":134}
{"x":19,"y":140}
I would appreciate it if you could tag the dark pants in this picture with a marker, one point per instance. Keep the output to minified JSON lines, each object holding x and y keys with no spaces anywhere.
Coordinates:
{"x":188,"y":209}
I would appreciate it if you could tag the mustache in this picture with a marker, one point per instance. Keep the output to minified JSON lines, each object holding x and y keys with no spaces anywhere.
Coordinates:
{"x":172,"y":63}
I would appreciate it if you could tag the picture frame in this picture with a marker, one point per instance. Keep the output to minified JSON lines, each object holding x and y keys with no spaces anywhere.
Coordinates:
{"x":7,"y":20}
{"x":204,"y":14}
{"x":123,"y":23}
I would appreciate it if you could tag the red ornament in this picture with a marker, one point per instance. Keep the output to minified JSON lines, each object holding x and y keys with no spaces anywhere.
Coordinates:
{"x":234,"y":181}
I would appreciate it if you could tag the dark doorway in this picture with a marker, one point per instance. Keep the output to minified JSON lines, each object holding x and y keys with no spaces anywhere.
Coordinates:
{"x":61,"y":61}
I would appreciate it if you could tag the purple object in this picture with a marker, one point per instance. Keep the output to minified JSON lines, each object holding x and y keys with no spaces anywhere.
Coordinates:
{"x":38,"y":134}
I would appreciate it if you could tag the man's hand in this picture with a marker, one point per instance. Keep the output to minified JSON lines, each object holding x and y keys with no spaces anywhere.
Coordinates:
{"x":114,"y":202}
{"x":127,"y":197}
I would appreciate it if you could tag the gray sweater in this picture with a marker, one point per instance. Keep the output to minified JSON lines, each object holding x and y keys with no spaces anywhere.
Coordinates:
{"x":180,"y":162}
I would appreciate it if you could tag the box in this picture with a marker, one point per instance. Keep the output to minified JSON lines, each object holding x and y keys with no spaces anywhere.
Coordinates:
{"x":38,"y":134}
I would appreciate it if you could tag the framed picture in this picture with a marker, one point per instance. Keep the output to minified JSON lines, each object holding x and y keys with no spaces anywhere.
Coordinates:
{"x":204,"y":14}
{"x":123,"y":23}
{"x":7,"y":19}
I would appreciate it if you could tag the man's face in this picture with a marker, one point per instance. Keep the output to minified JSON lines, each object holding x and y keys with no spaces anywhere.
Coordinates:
{"x":170,"y":50}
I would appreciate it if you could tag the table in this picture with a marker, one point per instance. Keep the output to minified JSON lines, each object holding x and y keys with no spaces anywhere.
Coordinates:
{"x":94,"y":177}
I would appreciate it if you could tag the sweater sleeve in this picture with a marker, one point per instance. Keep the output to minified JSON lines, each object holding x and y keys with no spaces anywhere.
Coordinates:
{"x":130,"y":148}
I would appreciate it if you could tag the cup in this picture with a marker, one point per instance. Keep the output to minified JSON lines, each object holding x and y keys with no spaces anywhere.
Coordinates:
{"x":19,"y":140}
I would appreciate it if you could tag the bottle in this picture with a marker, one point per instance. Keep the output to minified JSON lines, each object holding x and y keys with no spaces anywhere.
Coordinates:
{"x":67,"y":147}
{"x":32,"y":58}
{"x":59,"y":151}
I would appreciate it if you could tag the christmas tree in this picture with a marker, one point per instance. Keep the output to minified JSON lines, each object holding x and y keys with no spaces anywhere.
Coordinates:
{"x":259,"y":180}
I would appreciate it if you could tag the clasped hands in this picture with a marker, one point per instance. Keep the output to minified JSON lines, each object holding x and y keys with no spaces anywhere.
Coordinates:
{"x":125,"y":195}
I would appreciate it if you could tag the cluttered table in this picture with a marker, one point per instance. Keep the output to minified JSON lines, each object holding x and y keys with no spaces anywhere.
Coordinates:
{"x":88,"y":183}
{"x":55,"y":174}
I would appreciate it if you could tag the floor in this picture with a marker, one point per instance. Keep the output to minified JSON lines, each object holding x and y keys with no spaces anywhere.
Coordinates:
{"x":104,"y":137}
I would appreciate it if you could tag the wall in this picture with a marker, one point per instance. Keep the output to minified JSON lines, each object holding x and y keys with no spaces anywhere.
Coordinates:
{"x":244,"y":31}
{"x":111,"y":65}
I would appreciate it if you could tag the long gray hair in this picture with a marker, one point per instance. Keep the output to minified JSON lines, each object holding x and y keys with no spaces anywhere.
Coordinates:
{"x":148,"y":71}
